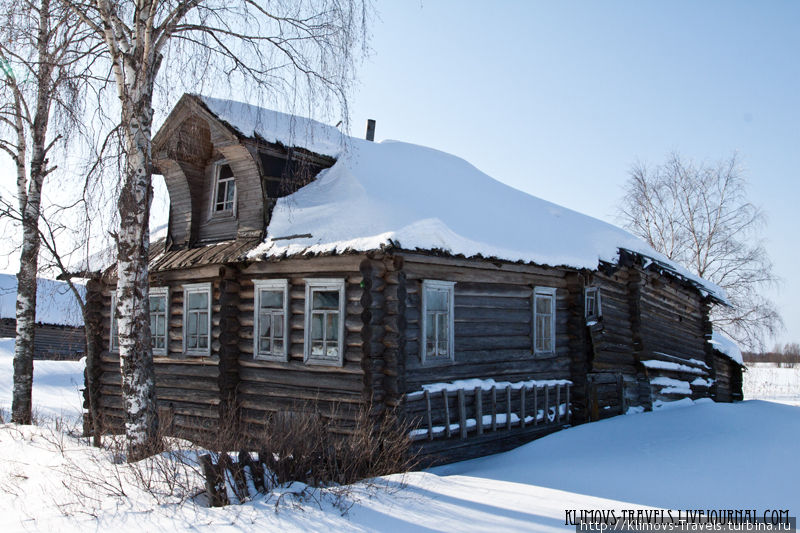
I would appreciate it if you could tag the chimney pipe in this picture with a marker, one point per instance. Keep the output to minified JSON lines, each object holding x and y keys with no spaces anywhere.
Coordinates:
{"x":370,"y":129}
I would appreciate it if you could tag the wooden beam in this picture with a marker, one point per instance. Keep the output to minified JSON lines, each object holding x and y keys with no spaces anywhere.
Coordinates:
{"x":462,"y":414}
{"x":479,"y":409}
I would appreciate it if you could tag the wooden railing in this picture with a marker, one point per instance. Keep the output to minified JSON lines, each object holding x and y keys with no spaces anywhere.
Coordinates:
{"x":461,"y":411}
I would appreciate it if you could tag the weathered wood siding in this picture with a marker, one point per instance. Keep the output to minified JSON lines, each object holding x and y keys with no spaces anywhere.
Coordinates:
{"x":728,"y":379}
{"x":616,"y":346}
{"x":672,"y":319}
{"x":674,"y":328}
{"x":189,"y":387}
{"x":51,"y":341}
{"x":493,"y":338}
{"x":268,"y":387}
{"x":493,"y":322}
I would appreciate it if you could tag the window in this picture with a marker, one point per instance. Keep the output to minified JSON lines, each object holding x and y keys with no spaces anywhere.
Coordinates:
{"x":224,"y":199}
{"x":114,"y":330}
{"x":271,"y":319}
{"x":197,"y":318}
{"x":437,"y":324}
{"x":544,"y":325}
{"x":324,"y":330}
{"x":591,"y":300}
{"x":158,"y":319}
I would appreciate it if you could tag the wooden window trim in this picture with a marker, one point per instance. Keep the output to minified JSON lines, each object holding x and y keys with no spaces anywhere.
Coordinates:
{"x":162,"y":292}
{"x":195,"y":288}
{"x":551,"y":293}
{"x":213,"y":213}
{"x":270,"y":284}
{"x":323,"y":284}
{"x":448,"y":286}
{"x":113,"y":320}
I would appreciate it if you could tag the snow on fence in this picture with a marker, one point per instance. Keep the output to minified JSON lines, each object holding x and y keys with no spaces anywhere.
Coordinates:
{"x":525,"y":403}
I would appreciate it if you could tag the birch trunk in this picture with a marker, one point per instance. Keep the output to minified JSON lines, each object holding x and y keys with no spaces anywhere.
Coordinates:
{"x":133,"y":312}
{"x":21,"y":407}
{"x":29,"y":193}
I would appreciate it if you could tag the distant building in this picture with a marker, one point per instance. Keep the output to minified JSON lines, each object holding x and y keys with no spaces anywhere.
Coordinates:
{"x":59,"y":321}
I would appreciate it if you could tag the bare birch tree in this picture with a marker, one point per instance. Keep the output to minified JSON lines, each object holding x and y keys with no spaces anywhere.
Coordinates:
{"x":44,"y":62}
{"x":270,"y":46}
{"x":699,"y":216}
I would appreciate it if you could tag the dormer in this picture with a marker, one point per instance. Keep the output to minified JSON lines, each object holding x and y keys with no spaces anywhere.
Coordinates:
{"x":222,"y":183}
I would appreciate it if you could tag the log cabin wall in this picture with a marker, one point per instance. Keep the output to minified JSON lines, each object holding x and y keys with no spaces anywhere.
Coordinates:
{"x":268,"y":387}
{"x":615,"y":379}
{"x":722,"y":379}
{"x":727,"y":379}
{"x":674,"y":330}
{"x":493,"y":338}
{"x":189,"y":388}
{"x":493,"y":313}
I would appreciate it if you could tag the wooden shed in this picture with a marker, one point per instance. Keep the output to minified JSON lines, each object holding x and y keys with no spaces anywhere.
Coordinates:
{"x":304,"y":265}
{"x":59,"y":321}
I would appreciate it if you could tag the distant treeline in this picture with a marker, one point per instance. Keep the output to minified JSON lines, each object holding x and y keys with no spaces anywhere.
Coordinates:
{"x":788,"y":354}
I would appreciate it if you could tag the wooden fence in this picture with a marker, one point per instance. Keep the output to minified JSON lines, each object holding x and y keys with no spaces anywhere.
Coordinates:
{"x":448,"y":412}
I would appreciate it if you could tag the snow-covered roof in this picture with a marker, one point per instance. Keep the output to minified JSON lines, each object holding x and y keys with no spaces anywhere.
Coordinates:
{"x":726,"y":346}
{"x":55,"y":303}
{"x":394,"y":193}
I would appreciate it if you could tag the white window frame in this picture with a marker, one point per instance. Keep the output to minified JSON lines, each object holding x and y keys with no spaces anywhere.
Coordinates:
{"x":213,"y":207}
{"x":597,"y":303}
{"x":161,"y":292}
{"x":550,"y":292}
{"x":195,"y":288}
{"x":323,"y":284}
{"x":275,"y":285}
{"x":111,"y":347}
{"x":448,"y":286}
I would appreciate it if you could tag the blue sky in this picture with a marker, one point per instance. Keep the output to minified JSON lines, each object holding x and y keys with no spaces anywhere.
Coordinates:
{"x":559,"y":99}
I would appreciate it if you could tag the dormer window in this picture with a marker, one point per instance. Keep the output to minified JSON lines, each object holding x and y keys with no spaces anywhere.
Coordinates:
{"x":224,"y":190}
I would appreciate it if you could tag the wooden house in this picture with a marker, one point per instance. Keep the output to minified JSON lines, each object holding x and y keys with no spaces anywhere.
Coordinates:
{"x":59,"y":320}
{"x":304,"y":265}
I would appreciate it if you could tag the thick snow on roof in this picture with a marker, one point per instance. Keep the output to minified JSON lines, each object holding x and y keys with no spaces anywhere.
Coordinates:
{"x":725,"y":345}
{"x":277,"y":127}
{"x":414,"y":197}
{"x":55,"y":303}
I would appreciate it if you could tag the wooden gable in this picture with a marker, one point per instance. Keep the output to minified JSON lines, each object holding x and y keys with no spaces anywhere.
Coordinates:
{"x":185,"y":151}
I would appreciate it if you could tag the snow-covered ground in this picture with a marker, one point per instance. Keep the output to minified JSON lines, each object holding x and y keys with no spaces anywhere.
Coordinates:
{"x":705,"y":456}
{"x":57,"y":384}
{"x":765,"y":381}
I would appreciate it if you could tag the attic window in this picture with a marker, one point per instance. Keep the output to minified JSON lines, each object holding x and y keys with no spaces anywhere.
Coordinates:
{"x":224,"y":190}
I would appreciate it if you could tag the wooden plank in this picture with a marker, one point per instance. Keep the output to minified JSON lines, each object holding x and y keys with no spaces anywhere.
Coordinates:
{"x":428,"y":412}
{"x":479,"y":409}
{"x":462,"y":414}
{"x":411,"y":257}
{"x":494,"y":408}
{"x":535,"y":405}
{"x":558,"y":404}
{"x":446,"y":413}
{"x":569,"y":410}
{"x":508,"y":406}
{"x":547,"y":404}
